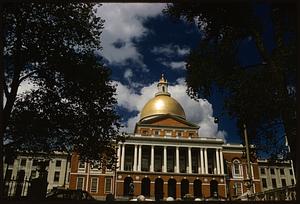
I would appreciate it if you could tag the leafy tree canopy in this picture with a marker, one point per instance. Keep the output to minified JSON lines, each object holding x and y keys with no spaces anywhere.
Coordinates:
{"x":261,"y":96}
{"x":53,"y":47}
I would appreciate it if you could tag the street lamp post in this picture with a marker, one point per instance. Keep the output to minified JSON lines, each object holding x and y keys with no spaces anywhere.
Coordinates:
{"x":248,"y":180}
{"x":115,"y":168}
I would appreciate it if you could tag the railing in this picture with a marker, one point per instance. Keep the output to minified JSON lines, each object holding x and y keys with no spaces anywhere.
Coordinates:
{"x":283,"y":193}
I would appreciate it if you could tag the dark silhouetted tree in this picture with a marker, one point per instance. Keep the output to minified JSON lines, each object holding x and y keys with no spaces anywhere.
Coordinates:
{"x":53,"y":46}
{"x":261,"y":96}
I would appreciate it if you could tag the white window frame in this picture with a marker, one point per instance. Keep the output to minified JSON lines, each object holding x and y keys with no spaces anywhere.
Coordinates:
{"x":55,"y":177}
{"x":97,"y":182}
{"x":234,"y":175}
{"x":83,"y":182}
{"x":81,"y":169}
{"x":105,"y":183}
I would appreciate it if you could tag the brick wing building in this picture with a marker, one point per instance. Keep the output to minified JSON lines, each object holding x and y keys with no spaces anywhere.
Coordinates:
{"x":165,"y":157}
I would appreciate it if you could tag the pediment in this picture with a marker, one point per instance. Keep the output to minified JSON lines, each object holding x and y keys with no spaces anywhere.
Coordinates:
{"x":168,"y":121}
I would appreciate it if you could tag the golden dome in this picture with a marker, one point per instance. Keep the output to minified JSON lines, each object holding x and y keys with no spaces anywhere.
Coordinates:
{"x":162,"y":103}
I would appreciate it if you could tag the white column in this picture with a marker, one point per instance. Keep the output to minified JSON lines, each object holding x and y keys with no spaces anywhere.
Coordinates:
{"x":135,"y":158}
{"x":140,"y":158}
{"x":202,"y":160}
{"x":199,"y":162}
{"x":123,"y":157}
{"x":190,"y":159}
{"x":177,"y":160}
{"x":152,"y":159}
{"x":165,"y":159}
{"x":218,"y":161}
{"x":119,"y":155}
{"x":221,"y":161}
{"x":205,"y":161}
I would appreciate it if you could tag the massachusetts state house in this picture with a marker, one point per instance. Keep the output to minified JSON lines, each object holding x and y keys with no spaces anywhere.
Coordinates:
{"x":166,"y":157}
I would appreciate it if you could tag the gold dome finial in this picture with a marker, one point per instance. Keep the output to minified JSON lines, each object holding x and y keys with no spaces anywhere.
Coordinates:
{"x":162,"y":79}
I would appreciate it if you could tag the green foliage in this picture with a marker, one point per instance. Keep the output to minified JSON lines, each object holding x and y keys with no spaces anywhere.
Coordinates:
{"x":257,"y":95}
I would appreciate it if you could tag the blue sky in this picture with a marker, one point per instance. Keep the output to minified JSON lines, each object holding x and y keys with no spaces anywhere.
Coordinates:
{"x":139,"y":44}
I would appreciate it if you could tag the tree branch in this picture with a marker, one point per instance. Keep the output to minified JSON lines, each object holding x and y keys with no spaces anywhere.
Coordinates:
{"x":5,"y":87}
{"x":27,"y":76}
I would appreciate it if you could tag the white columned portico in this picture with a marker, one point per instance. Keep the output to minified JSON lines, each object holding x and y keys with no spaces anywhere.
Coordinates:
{"x":135,"y":158}
{"x":152,"y":159}
{"x":177,"y":160}
{"x":190,"y":159}
{"x":218,"y":161}
{"x":221,"y":161}
{"x":165,"y":159}
{"x":123,"y":156}
{"x":119,"y":155}
{"x":202,"y":160}
{"x":205,"y":161}
{"x":140,"y":158}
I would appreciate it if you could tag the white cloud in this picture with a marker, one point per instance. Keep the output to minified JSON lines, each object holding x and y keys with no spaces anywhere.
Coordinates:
{"x":199,"y":112}
{"x":175,"y":65}
{"x":123,"y":23}
{"x":171,"y":50}
{"x":128,"y":74}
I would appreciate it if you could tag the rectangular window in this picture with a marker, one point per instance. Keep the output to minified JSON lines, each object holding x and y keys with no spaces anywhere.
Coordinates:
{"x":56,"y":176}
{"x":292,"y":181}
{"x":274,"y":185}
{"x":107,"y":185}
{"x":272,"y":171}
{"x":179,"y":134}
{"x":281,"y":171}
{"x":291,"y":172}
{"x":81,"y":165}
{"x":35,"y":162}
{"x":80,"y":183}
{"x":58,"y":163}
{"x":94,"y":185}
{"x":264,"y":183}
{"x":191,"y":134}
{"x":156,"y":132}
{"x":23,"y":162}
{"x":237,"y":189}
{"x":33,"y":174}
{"x":262,"y":171}
{"x":168,"y":133}
{"x":283,"y":182}
{"x":8,"y":175}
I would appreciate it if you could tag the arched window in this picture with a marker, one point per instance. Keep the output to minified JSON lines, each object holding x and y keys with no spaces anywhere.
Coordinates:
{"x":159,"y":189}
{"x":172,"y":188}
{"x":236,"y":168}
{"x":145,"y":187}
{"x":128,"y":182}
{"x":197,"y":188}
{"x":213,"y":188}
{"x":184,"y":187}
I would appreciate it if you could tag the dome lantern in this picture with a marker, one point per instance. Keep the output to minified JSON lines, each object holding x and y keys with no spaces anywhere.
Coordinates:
{"x":162,"y":87}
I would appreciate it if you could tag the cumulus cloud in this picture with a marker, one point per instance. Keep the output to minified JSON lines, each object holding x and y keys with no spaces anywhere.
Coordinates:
{"x":199,"y":112}
{"x":123,"y":23}
{"x":170,"y":50}
{"x":175,"y":65}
